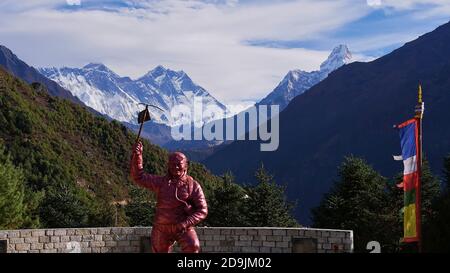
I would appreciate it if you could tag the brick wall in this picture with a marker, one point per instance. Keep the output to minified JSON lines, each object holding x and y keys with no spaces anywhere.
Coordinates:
{"x":212,"y":239}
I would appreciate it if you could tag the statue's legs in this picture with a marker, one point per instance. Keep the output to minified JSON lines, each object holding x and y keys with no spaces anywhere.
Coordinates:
{"x":162,"y":242}
{"x":189,"y":241}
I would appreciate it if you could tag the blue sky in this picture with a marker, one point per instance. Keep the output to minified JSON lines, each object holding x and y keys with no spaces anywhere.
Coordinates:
{"x":239,"y":50}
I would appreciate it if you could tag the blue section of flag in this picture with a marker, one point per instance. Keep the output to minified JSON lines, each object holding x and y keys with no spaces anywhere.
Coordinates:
{"x":408,"y":140}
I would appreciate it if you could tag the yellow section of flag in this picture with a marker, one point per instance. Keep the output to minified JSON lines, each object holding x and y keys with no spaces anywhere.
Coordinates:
{"x":409,"y":219}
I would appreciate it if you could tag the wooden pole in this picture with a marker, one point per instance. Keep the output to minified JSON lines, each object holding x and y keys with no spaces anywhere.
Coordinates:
{"x":419,"y":116}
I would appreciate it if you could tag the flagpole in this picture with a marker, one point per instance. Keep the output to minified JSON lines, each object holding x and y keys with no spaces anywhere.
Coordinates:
{"x":419,"y":116}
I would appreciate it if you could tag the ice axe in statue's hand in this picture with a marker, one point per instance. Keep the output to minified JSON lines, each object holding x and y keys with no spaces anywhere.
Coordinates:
{"x":144,"y":116}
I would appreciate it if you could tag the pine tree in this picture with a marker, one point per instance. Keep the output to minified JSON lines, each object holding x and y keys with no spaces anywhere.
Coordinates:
{"x":436,"y":232}
{"x":267,"y":205}
{"x":446,"y":172}
{"x":227,"y":207}
{"x":140,"y":210}
{"x":63,"y":207}
{"x":357,"y":201}
{"x":430,"y":192}
{"x":11,"y":193}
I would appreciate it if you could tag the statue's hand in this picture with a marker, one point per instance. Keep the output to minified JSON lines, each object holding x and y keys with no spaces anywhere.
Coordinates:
{"x":181,"y":228}
{"x":138,"y":148}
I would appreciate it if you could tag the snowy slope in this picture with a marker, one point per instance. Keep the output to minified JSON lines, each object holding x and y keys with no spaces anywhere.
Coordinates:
{"x":119,"y":97}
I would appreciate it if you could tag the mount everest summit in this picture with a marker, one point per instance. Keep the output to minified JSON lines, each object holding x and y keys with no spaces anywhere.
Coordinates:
{"x":119,"y":97}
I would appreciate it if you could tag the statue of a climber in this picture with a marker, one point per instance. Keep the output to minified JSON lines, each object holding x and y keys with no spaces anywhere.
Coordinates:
{"x":180,"y":206}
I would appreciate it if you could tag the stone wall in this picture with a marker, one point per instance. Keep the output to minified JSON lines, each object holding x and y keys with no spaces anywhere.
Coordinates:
{"x":212,"y":239}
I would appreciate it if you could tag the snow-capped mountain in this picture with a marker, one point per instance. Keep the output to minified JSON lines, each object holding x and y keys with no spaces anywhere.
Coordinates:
{"x":119,"y":97}
{"x":298,"y":81}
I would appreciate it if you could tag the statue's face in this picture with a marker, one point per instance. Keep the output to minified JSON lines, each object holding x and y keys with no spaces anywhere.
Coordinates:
{"x":177,"y":165}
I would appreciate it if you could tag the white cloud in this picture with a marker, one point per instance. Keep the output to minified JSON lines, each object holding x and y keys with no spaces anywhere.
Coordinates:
{"x":205,"y":39}
{"x":73,"y":2}
{"x":434,"y":7}
{"x":374,"y":3}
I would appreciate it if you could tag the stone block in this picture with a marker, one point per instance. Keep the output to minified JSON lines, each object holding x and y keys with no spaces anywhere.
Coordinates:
{"x":268,"y":244}
{"x":310,"y":233}
{"x":36,"y":246}
{"x":123,"y":243}
{"x":132,"y":237}
{"x":103,"y":231}
{"x":227,"y":243}
{"x":243,"y":243}
{"x":38,"y":233}
{"x":70,"y":232}
{"x":108,"y":238}
{"x":281,"y":232}
{"x":282,"y":244}
{"x":207,"y":237}
{"x":127,"y":231}
{"x":292,"y":232}
{"x":96,"y":250}
{"x":16,"y":240}
{"x":218,"y":237}
{"x":76,"y":238}
{"x":88,"y":238}
{"x":260,"y":237}
{"x":60,"y":232}
{"x":257,"y":243}
{"x":82,"y":231}
{"x":334,"y":240}
{"x":105,"y":250}
{"x":252,"y":232}
{"x":212,"y":243}
{"x":240,"y":231}
{"x":274,"y":238}
{"x":110,"y":243}
{"x":209,"y":231}
{"x":13,"y":234}
{"x":48,"y":251}
{"x":65,"y":239}
{"x":250,"y":249}
{"x":222,"y":249}
{"x":275,"y":250}
{"x":231,"y":237}
{"x":245,"y":238}
{"x":225,"y":231}
{"x":265,"y":232}
{"x":96,"y":244}
{"x":60,"y":245}
{"x":264,"y":249}
{"x":48,"y":246}
{"x":25,"y":233}
{"x":31,"y":239}
{"x":207,"y":249}
{"x":23,"y":247}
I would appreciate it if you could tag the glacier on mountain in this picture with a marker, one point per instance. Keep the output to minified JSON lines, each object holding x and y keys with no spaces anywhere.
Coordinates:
{"x":119,"y":97}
